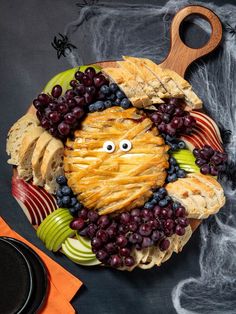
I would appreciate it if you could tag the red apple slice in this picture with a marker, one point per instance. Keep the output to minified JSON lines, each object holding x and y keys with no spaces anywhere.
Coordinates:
{"x":35,"y":201}
{"x":206,"y":132}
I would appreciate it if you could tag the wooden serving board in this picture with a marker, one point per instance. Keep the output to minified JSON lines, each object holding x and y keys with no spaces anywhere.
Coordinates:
{"x":181,"y":56}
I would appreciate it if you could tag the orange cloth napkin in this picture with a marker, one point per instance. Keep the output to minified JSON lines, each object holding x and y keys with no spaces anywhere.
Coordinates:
{"x":62,"y":285}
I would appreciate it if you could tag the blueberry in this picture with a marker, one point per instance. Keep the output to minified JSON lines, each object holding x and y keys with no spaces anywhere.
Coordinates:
{"x":66,"y":200}
{"x":111,"y":97}
{"x":105,"y":89}
{"x":66,"y":190}
{"x":153,"y":202}
{"x":163,"y":203}
{"x":120,"y":94}
{"x":176,"y":205}
{"x":117,"y":102}
{"x":181,"y":145}
{"x":92,"y":108}
{"x":73,"y":201}
{"x":171,"y":169}
{"x":181,"y":173}
{"x":174,"y":147}
{"x":108,"y":104}
{"x":172,"y":177}
{"x":59,"y":193}
{"x":78,"y":206}
{"x":59,"y":202}
{"x":172,"y":161}
{"x":125,"y":103}
{"x":61,"y":180}
{"x":169,"y":138}
{"x":156,"y":196}
{"x":148,"y":205}
{"x":168,"y":198}
{"x":162,"y":192}
{"x":113,"y":87}
{"x":99,"y":105}
{"x":73,"y":211}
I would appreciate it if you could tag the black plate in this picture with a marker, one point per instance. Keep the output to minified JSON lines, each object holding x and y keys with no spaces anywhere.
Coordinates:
{"x":40,"y":278}
{"x":16,"y":279}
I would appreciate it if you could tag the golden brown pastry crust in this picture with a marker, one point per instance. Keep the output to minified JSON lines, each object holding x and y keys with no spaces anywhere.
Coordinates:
{"x":118,"y":181}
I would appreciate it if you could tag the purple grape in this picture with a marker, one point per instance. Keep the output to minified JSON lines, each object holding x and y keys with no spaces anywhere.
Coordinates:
{"x":56,"y":91}
{"x":90,"y":72}
{"x":37,"y":104}
{"x":83,"y":213}
{"x":124,"y":251}
{"x":145,"y":230}
{"x":129,"y":261}
{"x":116,"y":261}
{"x":205,"y":169}
{"x":180,"y":231}
{"x":155,"y":236}
{"x":53,"y":106}
{"x":164,"y":244}
{"x":152,"y":224}
{"x":135,"y":238}
{"x":69,"y":94}
{"x":169,"y":224}
{"x":200,"y":162}
{"x":87,"y":80}
{"x":147,"y":242}
{"x":103,"y":221}
{"x":135,"y":212}
{"x":136,"y":219}
{"x":91,"y":90}
{"x":111,"y":248}
{"x":96,"y":243}
{"x":63,"y":108}
{"x":102,"y":235}
{"x":92,"y":228}
{"x":64,"y":128}
{"x":121,"y":241}
{"x":180,"y":211}
{"x":77,"y":224}
{"x":132,"y":226}
{"x":196,"y":152}
{"x":156,"y":118}
{"x":73,"y":83}
{"x":69,"y":118}
{"x":79,"y":75}
{"x":99,"y":80}
{"x":111,"y":231}
{"x":88,"y":98}
{"x":213,"y":170}
{"x":92,"y":216}
{"x":183,"y":222}
{"x":157,"y":211}
{"x":71,"y":103}
{"x":169,"y":108}
{"x":189,"y":121}
{"x":39,"y":115}
{"x":80,"y":90}
{"x":216,"y":159}
{"x":83,"y":232}
{"x":53,"y":131}
{"x":102,"y":255}
{"x":45,"y":123}
{"x":123,"y":229}
{"x":125,"y":218}
{"x":43,"y":99}
{"x":54,"y":116}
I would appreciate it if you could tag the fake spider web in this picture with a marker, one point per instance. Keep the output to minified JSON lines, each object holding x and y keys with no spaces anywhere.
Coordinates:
{"x":113,"y":30}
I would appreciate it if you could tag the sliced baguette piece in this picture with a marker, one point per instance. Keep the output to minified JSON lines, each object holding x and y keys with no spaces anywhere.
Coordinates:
{"x":201,"y":195}
{"x":147,"y":89}
{"x":190,"y":97}
{"x":148,"y":77}
{"x":52,"y":164}
{"x":16,"y":133}
{"x":37,"y":157}
{"x":26,"y":151}
{"x":163,"y":77}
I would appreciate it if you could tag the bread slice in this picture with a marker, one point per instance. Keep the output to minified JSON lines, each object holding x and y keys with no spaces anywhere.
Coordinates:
{"x":148,"y":77}
{"x":52,"y":164}
{"x":16,"y":133}
{"x":37,"y":157}
{"x":201,"y":195}
{"x":26,"y":151}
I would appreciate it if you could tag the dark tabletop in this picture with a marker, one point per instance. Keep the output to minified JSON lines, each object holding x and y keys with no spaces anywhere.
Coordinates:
{"x":27,"y":62}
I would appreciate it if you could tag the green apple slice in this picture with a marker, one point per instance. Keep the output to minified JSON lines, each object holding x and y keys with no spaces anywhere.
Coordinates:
{"x":48,"y":218}
{"x":84,"y":241}
{"x":79,"y":261}
{"x":186,"y":160}
{"x":65,"y":77}
{"x":78,"y":247}
{"x":53,"y":232}
{"x":54,"y":222}
{"x":79,"y":257}
{"x":61,"y":239}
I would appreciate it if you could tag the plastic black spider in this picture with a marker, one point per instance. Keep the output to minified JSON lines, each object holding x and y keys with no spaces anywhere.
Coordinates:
{"x":230,"y":29}
{"x":61,"y":44}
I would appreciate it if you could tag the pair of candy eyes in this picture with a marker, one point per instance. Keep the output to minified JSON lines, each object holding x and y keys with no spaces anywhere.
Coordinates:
{"x":109,"y":146}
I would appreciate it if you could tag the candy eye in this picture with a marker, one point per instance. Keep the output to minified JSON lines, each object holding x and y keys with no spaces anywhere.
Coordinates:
{"x":125,"y":145}
{"x":109,"y":147}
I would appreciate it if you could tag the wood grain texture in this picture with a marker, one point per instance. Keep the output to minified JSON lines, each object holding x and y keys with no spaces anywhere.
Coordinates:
{"x":181,"y":56}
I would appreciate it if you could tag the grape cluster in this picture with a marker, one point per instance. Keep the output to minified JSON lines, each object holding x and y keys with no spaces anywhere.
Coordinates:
{"x":113,"y":237}
{"x":171,"y":118}
{"x":174,"y":172}
{"x":209,"y":160}
{"x":66,"y":198}
{"x":173,"y":142}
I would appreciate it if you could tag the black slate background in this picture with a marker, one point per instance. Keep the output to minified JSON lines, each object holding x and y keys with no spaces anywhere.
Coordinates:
{"x":27,"y":62}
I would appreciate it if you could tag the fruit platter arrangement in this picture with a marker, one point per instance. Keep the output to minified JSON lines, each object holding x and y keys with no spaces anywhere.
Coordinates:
{"x":116,"y":163}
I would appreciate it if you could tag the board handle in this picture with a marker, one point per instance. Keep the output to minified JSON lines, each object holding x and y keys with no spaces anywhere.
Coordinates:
{"x":180,"y":55}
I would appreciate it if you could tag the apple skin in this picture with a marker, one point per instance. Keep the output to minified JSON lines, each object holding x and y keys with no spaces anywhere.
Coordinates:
{"x":61,"y":239}
{"x":78,"y":248}
{"x":84,"y":241}
{"x":77,"y":260}
{"x":64,"y":78}
{"x":59,"y":231}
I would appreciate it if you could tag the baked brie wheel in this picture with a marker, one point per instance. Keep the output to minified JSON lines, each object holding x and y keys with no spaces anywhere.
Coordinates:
{"x":115,"y":160}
